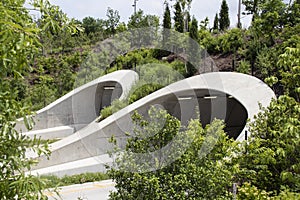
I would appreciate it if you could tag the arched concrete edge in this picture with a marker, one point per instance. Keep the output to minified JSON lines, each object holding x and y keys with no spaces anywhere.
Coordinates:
{"x":92,"y":140}
{"x":49,"y":126}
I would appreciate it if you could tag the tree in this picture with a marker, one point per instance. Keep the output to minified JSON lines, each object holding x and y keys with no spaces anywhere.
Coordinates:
{"x":224,"y":21}
{"x":167,"y":18}
{"x":194,"y":30}
{"x":139,"y":20}
{"x":89,"y":24}
{"x":271,"y":161}
{"x":216,"y":23}
{"x":231,"y":41}
{"x":293,"y":16}
{"x":113,"y":19}
{"x":178,"y":18}
{"x":192,"y":175}
{"x":193,"y":49}
{"x":289,"y":62}
{"x":19,"y":44}
{"x":167,"y":25}
{"x":204,"y":24}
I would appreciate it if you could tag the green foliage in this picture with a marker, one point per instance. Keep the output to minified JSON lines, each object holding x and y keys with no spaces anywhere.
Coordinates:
{"x":190,"y":176}
{"x":244,"y":67}
{"x":193,"y":55}
{"x":216,"y":23}
{"x":249,"y":192}
{"x":178,"y":18}
{"x":290,"y":71}
{"x":112,"y":21}
{"x":194,"y":30}
{"x":266,"y":63}
{"x":204,"y":23}
{"x":224,"y":21}
{"x":143,"y":91}
{"x":271,"y":161}
{"x":54,"y":181}
{"x":19,"y":45}
{"x":115,"y":106}
{"x":232,"y":40}
{"x":167,"y":24}
{"x":287,"y":195}
{"x":167,"y":18}
{"x":179,"y":67}
{"x":139,"y":20}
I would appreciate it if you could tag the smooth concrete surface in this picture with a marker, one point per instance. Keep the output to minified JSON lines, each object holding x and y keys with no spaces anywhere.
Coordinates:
{"x":58,"y":132}
{"x":81,"y":106}
{"x":232,"y":97}
{"x":92,"y":164}
{"x":87,"y":191}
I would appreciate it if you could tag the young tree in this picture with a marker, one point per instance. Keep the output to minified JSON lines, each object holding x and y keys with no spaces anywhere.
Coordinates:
{"x":204,"y":24}
{"x":113,"y":19}
{"x":224,"y":21}
{"x":20,"y":43}
{"x":179,"y":18}
{"x":193,"y":49}
{"x":167,"y":25}
{"x":271,"y":161}
{"x":167,"y":18}
{"x":194,"y":30}
{"x":192,"y":175}
{"x":216,"y":23}
{"x":89,"y":24}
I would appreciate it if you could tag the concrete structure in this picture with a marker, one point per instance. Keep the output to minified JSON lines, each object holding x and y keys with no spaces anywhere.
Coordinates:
{"x":87,"y":191}
{"x":232,"y":97}
{"x":81,"y":106}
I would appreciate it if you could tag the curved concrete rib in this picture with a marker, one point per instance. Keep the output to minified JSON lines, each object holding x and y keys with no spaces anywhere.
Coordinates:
{"x":232,"y":97}
{"x":81,"y":106}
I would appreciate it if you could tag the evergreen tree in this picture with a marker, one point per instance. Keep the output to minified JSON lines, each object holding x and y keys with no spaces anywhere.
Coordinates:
{"x":167,"y":18}
{"x":178,"y":18}
{"x":216,"y":23}
{"x":224,"y":21}
{"x":193,"y":51}
{"x":194,"y":30}
{"x":166,"y":24}
{"x":188,"y":21}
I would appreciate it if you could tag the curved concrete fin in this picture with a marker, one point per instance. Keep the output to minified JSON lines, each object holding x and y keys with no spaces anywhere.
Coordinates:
{"x":233,"y":97}
{"x":81,"y":106}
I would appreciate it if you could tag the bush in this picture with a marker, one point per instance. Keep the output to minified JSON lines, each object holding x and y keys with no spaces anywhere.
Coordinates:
{"x":244,"y":67}
{"x":143,"y":91}
{"x":115,"y":106}
{"x":54,"y":181}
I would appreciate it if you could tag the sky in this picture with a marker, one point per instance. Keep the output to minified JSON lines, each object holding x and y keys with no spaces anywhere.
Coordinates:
{"x":79,"y":9}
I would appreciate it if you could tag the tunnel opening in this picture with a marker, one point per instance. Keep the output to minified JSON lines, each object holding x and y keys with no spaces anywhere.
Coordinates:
{"x":205,"y":105}
{"x":106,"y":93}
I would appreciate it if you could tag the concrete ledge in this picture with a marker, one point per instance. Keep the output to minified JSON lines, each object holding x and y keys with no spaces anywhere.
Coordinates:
{"x":81,"y":106}
{"x":181,"y":98}
{"x":93,"y":164}
{"x":51,"y":133}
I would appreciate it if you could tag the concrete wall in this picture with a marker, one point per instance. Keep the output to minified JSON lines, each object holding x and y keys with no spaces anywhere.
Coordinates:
{"x":230,"y":96}
{"x":81,"y":106}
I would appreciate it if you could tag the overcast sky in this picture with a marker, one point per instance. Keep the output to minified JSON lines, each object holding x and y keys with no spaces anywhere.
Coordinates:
{"x":97,"y":8}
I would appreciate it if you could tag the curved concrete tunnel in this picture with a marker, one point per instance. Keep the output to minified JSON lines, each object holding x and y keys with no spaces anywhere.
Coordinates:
{"x":199,"y":106}
{"x":232,"y":97}
{"x":81,"y":106}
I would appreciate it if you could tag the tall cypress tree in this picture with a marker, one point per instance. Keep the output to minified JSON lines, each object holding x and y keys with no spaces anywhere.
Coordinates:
{"x":194,"y":30}
{"x":178,"y":18}
{"x":193,"y":51}
{"x":167,"y":18}
{"x":167,"y":25}
{"x":216,"y":23}
{"x":224,"y":21}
